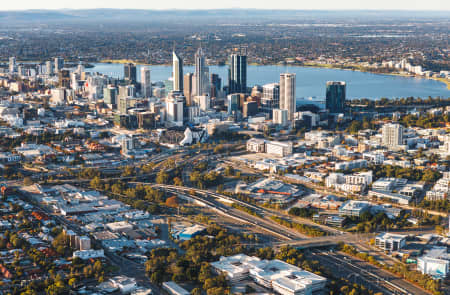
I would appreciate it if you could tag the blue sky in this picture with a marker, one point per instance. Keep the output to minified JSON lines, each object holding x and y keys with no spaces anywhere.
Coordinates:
{"x":208,"y":4}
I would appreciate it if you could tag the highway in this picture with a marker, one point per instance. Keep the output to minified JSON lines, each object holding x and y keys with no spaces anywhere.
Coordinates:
{"x":379,"y":280}
{"x":263,"y":224}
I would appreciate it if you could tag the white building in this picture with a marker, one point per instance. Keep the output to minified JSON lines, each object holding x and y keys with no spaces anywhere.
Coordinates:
{"x":280,"y":117}
{"x":441,"y":188}
{"x":203,"y":102}
{"x":435,"y":263}
{"x":350,"y":165}
{"x":392,"y":135}
{"x":174,"y":107}
{"x":146,"y":83}
{"x":281,"y":149}
{"x":125,"y":284}
{"x":58,"y":96}
{"x":88,"y":254}
{"x":280,"y":276}
{"x":119,"y":226}
{"x":390,"y":242}
{"x":256,"y":145}
{"x":287,"y":94}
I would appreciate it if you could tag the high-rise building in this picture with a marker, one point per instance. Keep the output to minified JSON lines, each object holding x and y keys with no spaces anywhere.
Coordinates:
{"x":287,"y":94}
{"x":146,"y":83}
{"x":64,"y":78}
{"x":59,"y":64}
{"x":250,"y":108}
{"x":392,"y":135}
{"x":335,"y":97}
{"x":12,"y":65}
{"x":49,"y":67}
{"x":203,"y":102}
{"x":270,"y":98}
{"x":188,"y":88}
{"x":175,"y":110}
{"x":233,"y":103}
{"x":201,"y":74}
{"x":216,"y":85}
{"x":237,"y":73}
{"x":123,"y":105}
{"x":130,"y":72}
{"x":110,"y":95}
{"x":280,"y":117}
{"x":177,"y":72}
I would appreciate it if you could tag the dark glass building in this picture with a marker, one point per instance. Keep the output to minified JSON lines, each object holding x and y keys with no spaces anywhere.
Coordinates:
{"x":237,"y":73}
{"x":130,"y":72}
{"x":335,"y":97}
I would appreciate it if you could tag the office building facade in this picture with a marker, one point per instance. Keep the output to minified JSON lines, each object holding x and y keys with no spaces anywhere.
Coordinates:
{"x":237,"y":73}
{"x":287,"y":94}
{"x":130,"y":72}
{"x":335,"y":97}
{"x":177,"y":69}
{"x":146,"y":83}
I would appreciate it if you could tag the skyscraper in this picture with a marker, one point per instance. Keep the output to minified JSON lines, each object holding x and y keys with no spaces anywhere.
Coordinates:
{"x":109,"y":95}
{"x":188,"y":88}
{"x":59,"y":64}
{"x":12,"y":65}
{"x":287,"y":94}
{"x":130,"y":72}
{"x":270,"y":98}
{"x":146,"y":83}
{"x":335,"y":97}
{"x":49,"y":67}
{"x":64,"y":78}
{"x":177,"y":72}
{"x":392,"y":135}
{"x":201,"y":74}
{"x":237,"y":73}
{"x":216,"y":85}
{"x":233,"y":103}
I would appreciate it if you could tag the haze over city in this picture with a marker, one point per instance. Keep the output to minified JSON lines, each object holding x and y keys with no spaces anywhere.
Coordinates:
{"x":437,"y":5}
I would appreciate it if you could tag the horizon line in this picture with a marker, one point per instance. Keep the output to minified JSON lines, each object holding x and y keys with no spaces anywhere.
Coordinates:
{"x":230,"y":8}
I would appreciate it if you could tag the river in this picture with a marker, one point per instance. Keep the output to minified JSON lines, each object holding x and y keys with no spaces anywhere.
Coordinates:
{"x":311,"y":81}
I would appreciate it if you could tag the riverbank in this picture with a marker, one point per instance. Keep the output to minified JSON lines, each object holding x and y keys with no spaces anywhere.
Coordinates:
{"x":367,"y":70}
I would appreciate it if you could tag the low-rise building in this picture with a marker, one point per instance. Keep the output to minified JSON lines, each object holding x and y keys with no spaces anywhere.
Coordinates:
{"x":88,"y":254}
{"x":354,"y":208}
{"x":281,"y":149}
{"x":256,"y":145}
{"x":125,"y":284}
{"x":278,"y":275}
{"x":390,"y":242}
{"x":435,"y":262}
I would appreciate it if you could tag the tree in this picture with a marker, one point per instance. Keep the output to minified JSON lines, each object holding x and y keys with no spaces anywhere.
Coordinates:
{"x":177,"y":181}
{"x":27,"y":181}
{"x":162,"y":177}
{"x":172,"y":202}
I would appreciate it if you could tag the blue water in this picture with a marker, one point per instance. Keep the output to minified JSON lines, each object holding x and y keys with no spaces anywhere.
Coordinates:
{"x":311,"y":81}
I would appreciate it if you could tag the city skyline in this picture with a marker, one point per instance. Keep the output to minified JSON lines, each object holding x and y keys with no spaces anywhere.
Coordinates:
{"x":437,"y":5}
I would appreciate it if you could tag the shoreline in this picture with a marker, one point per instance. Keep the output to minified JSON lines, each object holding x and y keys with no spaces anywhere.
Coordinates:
{"x":306,"y":65}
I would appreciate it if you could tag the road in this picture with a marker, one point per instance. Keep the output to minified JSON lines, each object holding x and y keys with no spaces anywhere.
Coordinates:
{"x":374,"y":277}
{"x":266,"y":225}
